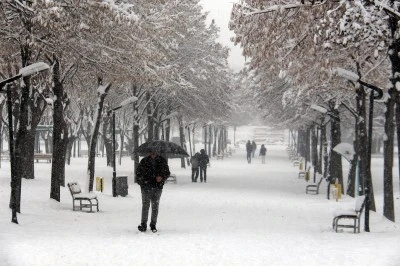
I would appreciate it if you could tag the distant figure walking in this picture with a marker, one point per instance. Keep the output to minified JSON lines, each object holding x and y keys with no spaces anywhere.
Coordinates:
{"x":249,"y":150}
{"x":254,"y":147}
{"x":194,"y":161}
{"x":203,"y":161}
{"x":263,"y":152}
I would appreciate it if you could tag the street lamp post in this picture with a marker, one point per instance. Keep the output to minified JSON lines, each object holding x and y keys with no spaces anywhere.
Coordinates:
{"x":122,"y":104}
{"x":376,"y":94}
{"x":327,"y":158}
{"x":15,"y":181}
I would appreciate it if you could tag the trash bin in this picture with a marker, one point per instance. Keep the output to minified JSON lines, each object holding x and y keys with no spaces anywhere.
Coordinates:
{"x":120,"y":186}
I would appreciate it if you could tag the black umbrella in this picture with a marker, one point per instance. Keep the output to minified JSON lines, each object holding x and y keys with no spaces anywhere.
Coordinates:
{"x":164,"y":148}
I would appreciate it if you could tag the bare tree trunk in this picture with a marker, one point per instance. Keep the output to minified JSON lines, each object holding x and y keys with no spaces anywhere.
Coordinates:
{"x":335,"y":170}
{"x":150,"y":120}
{"x":190,"y":142}
{"x":398,"y":131}
{"x":107,"y":141}
{"x":314,"y":151}
{"x":102,"y":93}
{"x":394,"y":48}
{"x":351,"y":183}
{"x":205,"y":137}
{"x":215,"y":141}
{"x":182,"y":139}
{"x":388,"y":201}
{"x":368,"y":182}
{"x":210,"y":138}
{"x":70,"y":147}
{"x":168,"y":129}
{"x":193,"y":139}
{"x":135,"y":130}
{"x":220,"y":139}
{"x":60,"y":135}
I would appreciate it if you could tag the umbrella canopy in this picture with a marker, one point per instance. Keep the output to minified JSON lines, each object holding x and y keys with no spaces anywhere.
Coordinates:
{"x":164,"y":148}
{"x":346,"y":150}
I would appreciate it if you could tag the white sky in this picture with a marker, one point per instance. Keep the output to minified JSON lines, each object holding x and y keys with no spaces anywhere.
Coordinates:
{"x":220,"y":11}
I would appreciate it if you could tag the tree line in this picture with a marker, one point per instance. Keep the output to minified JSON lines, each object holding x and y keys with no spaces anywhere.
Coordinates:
{"x":338,"y":57}
{"x":101,"y":52}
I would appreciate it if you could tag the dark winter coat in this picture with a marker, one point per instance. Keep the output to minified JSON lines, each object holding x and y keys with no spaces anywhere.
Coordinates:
{"x":195,"y":161}
{"x":149,"y":168}
{"x":249,"y":148}
{"x":263,"y":151}
{"x":254,"y":145}
{"x":203,"y":159}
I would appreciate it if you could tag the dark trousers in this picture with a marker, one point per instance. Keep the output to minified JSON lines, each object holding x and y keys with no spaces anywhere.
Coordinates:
{"x":203,"y":173}
{"x":249,"y":157}
{"x":195,"y":174}
{"x":150,"y":195}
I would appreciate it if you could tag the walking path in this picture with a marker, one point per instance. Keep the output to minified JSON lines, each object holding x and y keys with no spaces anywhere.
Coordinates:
{"x":246,"y":214}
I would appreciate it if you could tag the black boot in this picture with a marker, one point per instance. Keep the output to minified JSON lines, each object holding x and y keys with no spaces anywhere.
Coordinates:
{"x":142,"y":227}
{"x":153,"y":228}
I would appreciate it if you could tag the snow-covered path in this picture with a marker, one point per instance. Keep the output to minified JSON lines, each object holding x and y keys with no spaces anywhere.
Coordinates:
{"x":250,"y":214}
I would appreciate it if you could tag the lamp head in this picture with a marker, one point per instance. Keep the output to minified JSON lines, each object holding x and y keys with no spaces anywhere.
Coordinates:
{"x":346,"y":74}
{"x":318,"y":108}
{"x":33,"y":69}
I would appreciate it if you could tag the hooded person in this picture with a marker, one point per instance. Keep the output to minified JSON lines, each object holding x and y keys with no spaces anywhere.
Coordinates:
{"x":263,"y":152}
{"x":151,"y":174}
{"x":194,"y":161}
{"x":254,"y":148}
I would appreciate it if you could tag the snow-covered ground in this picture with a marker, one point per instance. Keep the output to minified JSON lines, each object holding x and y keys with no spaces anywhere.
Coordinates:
{"x":246,"y":214}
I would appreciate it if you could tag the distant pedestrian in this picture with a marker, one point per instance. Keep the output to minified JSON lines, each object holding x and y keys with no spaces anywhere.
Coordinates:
{"x":194,"y":161}
{"x":254,"y":148}
{"x":203,"y":161}
{"x":263,"y":152}
{"x":249,"y":150}
{"x":151,"y":173}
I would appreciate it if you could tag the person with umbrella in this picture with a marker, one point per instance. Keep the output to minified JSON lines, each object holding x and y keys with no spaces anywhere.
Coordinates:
{"x":151,"y":173}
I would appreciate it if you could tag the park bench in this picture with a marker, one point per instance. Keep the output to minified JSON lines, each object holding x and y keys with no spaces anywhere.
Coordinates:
{"x":220,"y":157}
{"x":5,"y":156}
{"x":354,"y":214}
{"x":296,"y":161}
{"x":43,"y":156}
{"x":314,"y":188}
{"x":85,"y":153}
{"x":171,"y":179}
{"x":303,"y":174}
{"x":86,"y":200}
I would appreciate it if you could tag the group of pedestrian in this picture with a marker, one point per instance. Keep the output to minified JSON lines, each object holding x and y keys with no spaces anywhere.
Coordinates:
{"x":153,"y":171}
{"x":251,"y":148}
{"x":199,"y":162}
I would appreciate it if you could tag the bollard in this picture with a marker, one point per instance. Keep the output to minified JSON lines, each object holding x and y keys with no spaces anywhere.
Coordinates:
{"x":301,"y":166}
{"x":338,"y":190}
{"x":99,"y":183}
{"x":308,"y":175}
